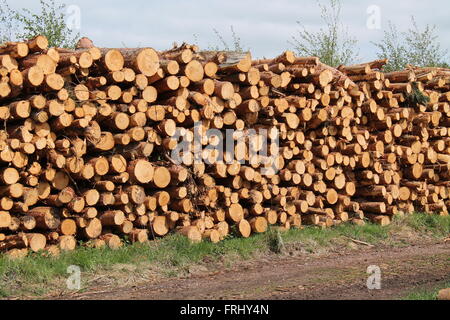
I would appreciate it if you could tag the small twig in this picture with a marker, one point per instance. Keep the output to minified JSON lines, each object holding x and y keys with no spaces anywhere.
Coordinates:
{"x":361,"y":242}
{"x":88,"y":293}
{"x":169,"y":159}
{"x":97,"y":278}
{"x":277,"y":92}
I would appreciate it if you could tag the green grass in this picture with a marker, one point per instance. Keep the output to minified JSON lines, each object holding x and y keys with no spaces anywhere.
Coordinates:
{"x":369,"y":232}
{"x":426,"y":294}
{"x":174,"y":253}
{"x":435,"y":225}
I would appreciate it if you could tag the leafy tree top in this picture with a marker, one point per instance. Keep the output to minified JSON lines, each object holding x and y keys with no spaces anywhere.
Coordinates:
{"x":25,"y":24}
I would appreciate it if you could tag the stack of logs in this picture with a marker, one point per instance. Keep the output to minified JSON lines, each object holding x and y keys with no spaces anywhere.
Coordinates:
{"x":87,"y":138}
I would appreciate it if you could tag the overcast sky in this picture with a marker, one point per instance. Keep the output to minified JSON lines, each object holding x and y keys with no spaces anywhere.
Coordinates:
{"x":265,"y":27}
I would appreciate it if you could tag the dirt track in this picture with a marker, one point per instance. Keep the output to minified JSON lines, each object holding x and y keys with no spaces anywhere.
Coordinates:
{"x":332,"y":276}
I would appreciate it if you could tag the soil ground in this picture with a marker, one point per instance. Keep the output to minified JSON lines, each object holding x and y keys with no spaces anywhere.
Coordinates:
{"x":341,"y":274}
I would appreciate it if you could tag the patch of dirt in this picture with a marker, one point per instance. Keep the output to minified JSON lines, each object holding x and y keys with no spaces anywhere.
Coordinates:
{"x":341,"y":274}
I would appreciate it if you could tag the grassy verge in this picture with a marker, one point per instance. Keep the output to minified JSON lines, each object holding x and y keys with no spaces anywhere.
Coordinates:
{"x":173,"y":255}
{"x":427,"y":294}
